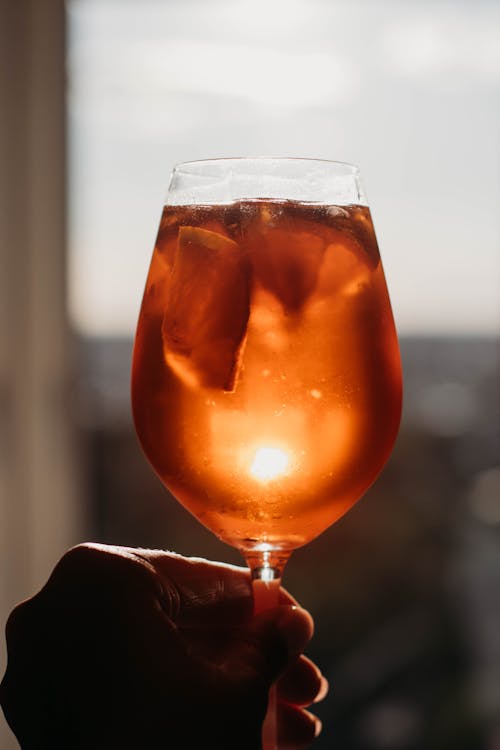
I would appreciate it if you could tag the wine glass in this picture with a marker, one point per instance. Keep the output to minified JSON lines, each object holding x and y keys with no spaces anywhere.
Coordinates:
{"x":266,"y":379}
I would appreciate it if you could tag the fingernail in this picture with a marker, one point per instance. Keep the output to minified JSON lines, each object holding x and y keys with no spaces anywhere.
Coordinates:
{"x":317,"y":727}
{"x":297,"y":626}
{"x":323,"y":690}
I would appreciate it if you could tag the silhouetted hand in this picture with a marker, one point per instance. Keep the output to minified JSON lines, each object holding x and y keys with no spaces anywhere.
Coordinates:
{"x":127,"y":648}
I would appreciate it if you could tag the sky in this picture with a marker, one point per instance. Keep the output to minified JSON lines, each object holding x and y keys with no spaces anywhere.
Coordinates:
{"x":409,"y":90}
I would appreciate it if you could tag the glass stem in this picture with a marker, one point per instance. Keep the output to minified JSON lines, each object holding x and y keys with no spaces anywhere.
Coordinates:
{"x":267,"y":570}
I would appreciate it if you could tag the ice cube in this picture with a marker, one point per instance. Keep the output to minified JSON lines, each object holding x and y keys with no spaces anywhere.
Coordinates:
{"x":286,"y":261}
{"x":207,"y":310}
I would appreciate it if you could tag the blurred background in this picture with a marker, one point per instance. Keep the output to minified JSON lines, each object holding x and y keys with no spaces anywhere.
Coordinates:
{"x":99,"y":98}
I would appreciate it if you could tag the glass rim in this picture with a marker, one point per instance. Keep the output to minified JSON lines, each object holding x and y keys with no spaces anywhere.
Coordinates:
{"x":231,"y":179}
{"x":349,"y":168}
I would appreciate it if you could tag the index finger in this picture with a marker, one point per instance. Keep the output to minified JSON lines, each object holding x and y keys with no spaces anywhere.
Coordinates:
{"x":205,"y":591}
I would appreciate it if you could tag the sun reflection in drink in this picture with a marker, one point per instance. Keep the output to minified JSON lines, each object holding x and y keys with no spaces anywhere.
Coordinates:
{"x":269,"y":463}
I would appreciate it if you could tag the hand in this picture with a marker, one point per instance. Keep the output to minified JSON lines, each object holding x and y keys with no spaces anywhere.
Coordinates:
{"x":127,"y":648}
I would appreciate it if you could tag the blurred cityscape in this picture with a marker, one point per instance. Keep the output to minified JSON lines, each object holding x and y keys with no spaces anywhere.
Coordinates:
{"x":404,"y":589}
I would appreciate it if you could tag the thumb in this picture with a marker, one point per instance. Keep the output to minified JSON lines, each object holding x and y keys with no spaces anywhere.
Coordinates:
{"x":278,"y":636}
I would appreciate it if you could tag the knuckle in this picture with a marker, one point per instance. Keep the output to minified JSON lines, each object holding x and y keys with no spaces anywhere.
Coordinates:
{"x":75,"y":562}
{"x":106,"y":568}
{"x":19,"y":623}
{"x":12,"y":624}
{"x":82,"y":554}
{"x":91,"y":564}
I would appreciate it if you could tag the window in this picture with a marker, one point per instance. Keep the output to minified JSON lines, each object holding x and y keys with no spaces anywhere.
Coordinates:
{"x":410,"y":91}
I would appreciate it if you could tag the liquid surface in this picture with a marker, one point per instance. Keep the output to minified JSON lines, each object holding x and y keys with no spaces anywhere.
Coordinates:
{"x":266,"y":381}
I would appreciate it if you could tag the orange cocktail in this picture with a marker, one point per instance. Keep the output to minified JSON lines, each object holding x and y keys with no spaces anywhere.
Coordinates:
{"x":266,"y":376}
